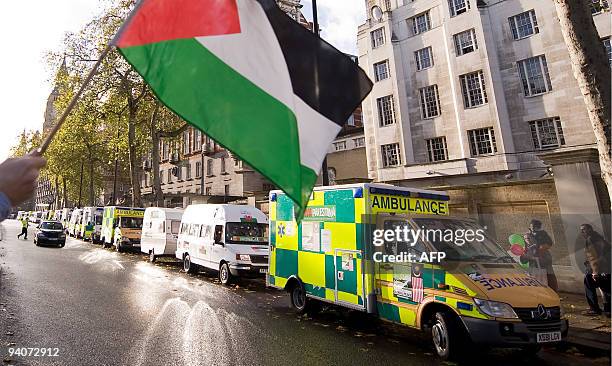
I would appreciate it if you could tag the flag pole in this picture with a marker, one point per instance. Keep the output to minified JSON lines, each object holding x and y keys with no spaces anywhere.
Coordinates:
{"x":45,"y":145}
{"x":315,"y":30}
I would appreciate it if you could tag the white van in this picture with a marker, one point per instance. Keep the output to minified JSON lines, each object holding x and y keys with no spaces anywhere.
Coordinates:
{"x":75,"y":222}
{"x":230,"y":239}
{"x":160,"y":231}
{"x":93,"y":215}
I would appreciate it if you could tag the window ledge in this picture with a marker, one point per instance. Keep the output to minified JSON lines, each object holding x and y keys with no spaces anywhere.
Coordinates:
{"x":476,"y":106}
{"x":537,"y":95}
{"x":521,"y":38}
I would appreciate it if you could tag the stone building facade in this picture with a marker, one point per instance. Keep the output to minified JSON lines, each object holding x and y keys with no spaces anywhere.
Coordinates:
{"x":477,"y":97}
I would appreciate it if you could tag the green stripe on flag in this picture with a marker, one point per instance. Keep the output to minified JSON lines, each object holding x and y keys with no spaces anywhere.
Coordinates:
{"x":202,"y":89}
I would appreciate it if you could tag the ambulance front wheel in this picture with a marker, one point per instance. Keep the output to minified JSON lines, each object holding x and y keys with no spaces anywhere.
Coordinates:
{"x":445,"y":336}
{"x":225,"y":275}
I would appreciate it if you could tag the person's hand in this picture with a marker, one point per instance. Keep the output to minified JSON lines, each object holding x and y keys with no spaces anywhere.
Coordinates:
{"x":595,"y":276}
{"x":18,"y":177}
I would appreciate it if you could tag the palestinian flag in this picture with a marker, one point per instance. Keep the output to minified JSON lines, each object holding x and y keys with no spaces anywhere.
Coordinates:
{"x":251,"y":78}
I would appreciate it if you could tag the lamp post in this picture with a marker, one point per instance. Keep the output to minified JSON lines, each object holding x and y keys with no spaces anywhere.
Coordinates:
{"x":315,"y":30}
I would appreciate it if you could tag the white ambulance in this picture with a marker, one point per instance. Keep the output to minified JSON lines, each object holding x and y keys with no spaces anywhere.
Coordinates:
{"x":230,"y":239}
{"x":160,"y":231}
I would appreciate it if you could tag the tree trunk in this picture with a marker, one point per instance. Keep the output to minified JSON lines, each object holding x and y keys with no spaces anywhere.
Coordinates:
{"x":592,"y":71}
{"x":92,"y":199}
{"x":134,"y":164}
{"x":65,"y":193}
{"x":157,"y":189}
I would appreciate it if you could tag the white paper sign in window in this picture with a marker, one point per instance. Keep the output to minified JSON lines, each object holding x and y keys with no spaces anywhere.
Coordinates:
{"x":311,"y":236}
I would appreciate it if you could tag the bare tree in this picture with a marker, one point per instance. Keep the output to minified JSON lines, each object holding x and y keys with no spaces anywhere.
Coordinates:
{"x":592,"y":71}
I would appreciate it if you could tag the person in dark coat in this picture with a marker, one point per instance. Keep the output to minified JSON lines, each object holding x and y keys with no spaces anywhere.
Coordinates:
{"x":537,"y":251}
{"x":597,"y":274}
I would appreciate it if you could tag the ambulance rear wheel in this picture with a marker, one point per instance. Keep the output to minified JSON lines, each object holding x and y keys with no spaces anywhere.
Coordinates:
{"x":188,"y":266}
{"x":445,"y":336}
{"x":298,"y":298}
{"x":152,"y":256}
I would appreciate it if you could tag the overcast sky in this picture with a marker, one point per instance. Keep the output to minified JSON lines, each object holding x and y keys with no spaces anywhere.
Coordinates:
{"x":31,"y":28}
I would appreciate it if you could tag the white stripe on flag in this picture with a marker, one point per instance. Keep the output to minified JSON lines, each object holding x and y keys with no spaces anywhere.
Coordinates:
{"x":256,"y":54}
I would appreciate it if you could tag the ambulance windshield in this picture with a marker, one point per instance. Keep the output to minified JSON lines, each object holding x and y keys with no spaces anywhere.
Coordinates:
{"x":246,"y":233}
{"x":462,"y":240}
{"x":131,"y":222}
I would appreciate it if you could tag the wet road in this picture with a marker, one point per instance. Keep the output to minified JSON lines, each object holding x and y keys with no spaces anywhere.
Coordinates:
{"x":98,"y":307}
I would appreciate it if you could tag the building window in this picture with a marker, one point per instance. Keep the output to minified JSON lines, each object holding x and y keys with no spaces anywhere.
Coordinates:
{"x":534,"y":75}
{"x":161,"y":176}
{"x":482,"y":141}
{"x":209,"y":167}
{"x":606,"y":43}
{"x":197,"y":140}
{"x":381,"y":70}
{"x":226,"y":190}
{"x":223,"y":170}
{"x":391,"y":155}
{"x":547,"y":133}
{"x":169,"y":175}
{"x":179,"y":173}
{"x":198,"y":169}
{"x":340,"y":145}
{"x":458,"y":7}
{"x":378,"y":37}
{"x":424,"y":58}
{"x":465,"y":42}
{"x":208,"y":191}
{"x":386,"y":110}
{"x":359,"y":142}
{"x":524,"y":25}
{"x":187,"y":142}
{"x":474,"y":91}
{"x":387,"y":5}
{"x":421,"y":23}
{"x":430,"y":101}
{"x":165,"y":150}
{"x":598,"y":6}
{"x":188,"y":171}
{"x":436,"y":149}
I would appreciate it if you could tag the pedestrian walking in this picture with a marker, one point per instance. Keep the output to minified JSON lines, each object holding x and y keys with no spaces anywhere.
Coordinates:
{"x":24,"y":228}
{"x":537,"y":252}
{"x":597,"y":274}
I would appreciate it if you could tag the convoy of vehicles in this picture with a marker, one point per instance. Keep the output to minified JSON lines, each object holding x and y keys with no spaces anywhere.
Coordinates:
{"x":35,"y":216}
{"x":50,"y":232}
{"x":65,"y":216}
{"x":122,"y":227}
{"x":74,"y":225}
{"x":92,"y":215}
{"x":160,"y":231}
{"x":230,"y":239}
{"x":476,"y":293}
{"x":459,"y":293}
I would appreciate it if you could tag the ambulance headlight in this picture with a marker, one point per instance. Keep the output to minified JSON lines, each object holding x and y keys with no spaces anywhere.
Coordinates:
{"x":496,"y":309}
{"x":243,"y":257}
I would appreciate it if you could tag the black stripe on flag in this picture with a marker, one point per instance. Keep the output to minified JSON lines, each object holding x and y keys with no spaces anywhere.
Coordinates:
{"x":325,"y":78}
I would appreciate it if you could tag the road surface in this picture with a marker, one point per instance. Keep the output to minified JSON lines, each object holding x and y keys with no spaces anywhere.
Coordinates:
{"x":94,"y":306}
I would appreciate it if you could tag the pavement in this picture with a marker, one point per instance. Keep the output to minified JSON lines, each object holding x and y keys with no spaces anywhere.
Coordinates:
{"x":93,"y":306}
{"x":587,"y":333}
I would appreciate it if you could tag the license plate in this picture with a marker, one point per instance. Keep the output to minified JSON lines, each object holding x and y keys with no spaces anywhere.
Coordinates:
{"x":52,"y":238}
{"x":263,"y":270}
{"x":549,"y":337}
